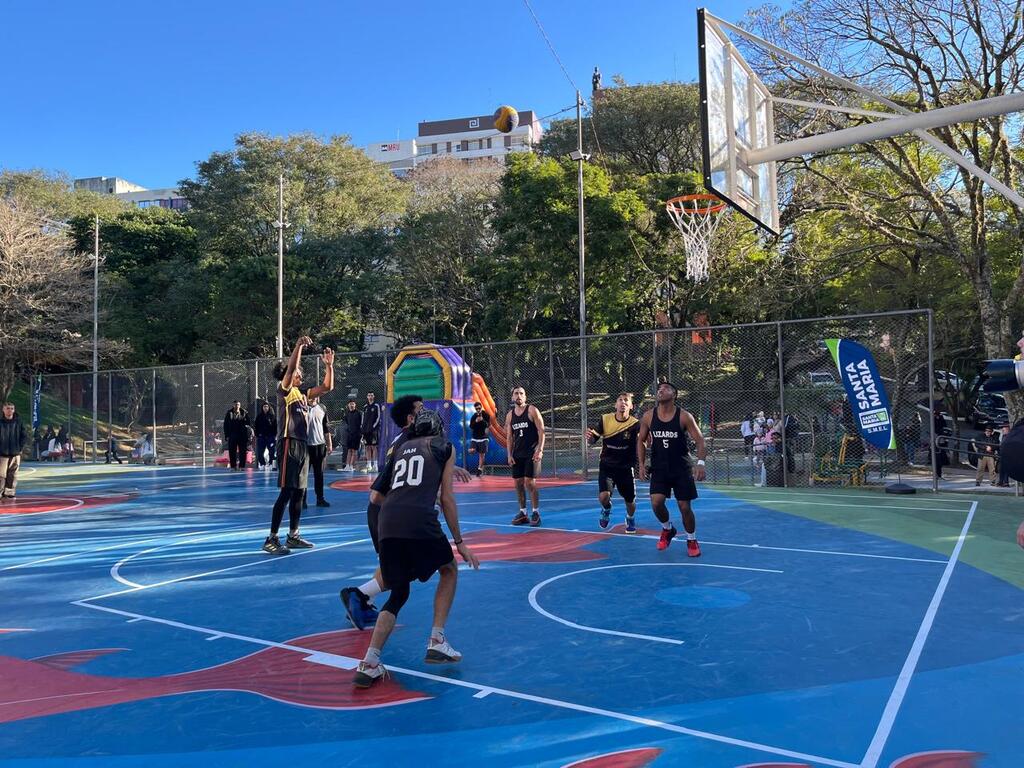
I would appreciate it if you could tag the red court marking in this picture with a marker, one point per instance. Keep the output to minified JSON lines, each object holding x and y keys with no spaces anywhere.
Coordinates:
{"x":33,"y":505}
{"x":485,"y":484}
{"x":533,"y":546}
{"x":627,"y":758}
{"x":41,"y":687}
{"x":942,"y":759}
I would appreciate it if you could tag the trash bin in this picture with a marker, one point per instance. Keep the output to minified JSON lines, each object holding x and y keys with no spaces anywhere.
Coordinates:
{"x":773,"y":470}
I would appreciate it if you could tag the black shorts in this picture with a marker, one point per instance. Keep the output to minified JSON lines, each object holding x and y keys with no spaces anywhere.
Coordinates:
{"x":479,"y":446}
{"x":610,"y":478}
{"x":292,"y":463}
{"x":681,"y":485}
{"x":524,"y":468}
{"x":352,"y":442}
{"x":406,"y":560}
{"x":371,"y":438}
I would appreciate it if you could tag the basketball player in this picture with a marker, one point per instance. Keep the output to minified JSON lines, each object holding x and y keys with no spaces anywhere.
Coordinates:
{"x":667,"y":426}
{"x":360,"y":611}
{"x":292,"y":453}
{"x":525,"y":429}
{"x":412,"y":544}
{"x":618,"y":432}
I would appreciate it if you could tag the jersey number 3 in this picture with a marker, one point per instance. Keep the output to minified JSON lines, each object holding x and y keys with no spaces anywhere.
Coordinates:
{"x":408,"y":472}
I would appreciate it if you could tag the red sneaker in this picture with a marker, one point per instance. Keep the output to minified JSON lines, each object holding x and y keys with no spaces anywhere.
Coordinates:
{"x":692,"y":548}
{"x":667,"y":534}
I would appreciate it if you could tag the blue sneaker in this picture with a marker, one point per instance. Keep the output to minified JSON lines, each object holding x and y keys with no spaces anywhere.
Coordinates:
{"x":605,"y":517}
{"x":358,"y":609}
{"x":630,"y":525}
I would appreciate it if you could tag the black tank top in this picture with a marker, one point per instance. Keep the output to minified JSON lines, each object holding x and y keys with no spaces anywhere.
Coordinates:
{"x":524,"y":435}
{"x":412,"y":477}
{"x":669,"y":445}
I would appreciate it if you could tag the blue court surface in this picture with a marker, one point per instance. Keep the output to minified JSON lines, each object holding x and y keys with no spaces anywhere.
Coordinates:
{"x":142,"y":625}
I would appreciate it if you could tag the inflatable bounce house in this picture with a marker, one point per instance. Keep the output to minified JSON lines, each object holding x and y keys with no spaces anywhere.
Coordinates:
{"x":447,"y":385}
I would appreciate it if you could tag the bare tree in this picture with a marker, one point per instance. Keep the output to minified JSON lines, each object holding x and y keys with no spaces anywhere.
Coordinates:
{"x":45,"y":297}
{"x":924,"y":55}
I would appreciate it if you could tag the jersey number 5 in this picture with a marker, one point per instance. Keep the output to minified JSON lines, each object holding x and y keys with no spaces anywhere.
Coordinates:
{"x":664,"y":444}
{"x":408,"y":472}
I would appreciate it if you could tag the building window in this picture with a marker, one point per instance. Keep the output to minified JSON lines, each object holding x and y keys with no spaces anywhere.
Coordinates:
{"x":465,"y":145}
{"x":508,"y":141}
{"x":488,"y":143}
{"x":449,"y":147}
{"x":433,"y":149}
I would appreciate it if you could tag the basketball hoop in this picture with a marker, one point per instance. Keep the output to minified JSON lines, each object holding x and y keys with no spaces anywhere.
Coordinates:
{"x":696,"y":217}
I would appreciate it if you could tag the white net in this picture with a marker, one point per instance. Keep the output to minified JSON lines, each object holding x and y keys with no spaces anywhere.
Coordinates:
{"x":697,"y":218}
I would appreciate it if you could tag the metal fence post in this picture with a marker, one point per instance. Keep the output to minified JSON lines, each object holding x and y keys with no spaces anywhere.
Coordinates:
{"x":257,"y":379}
{"x":153,"y":398}
{"x":782,"y":407}
{"x":654,"y":356}
{"x":583,"y":404}
{"x":551,"y":405}
{"x":71,"y":431}
{"x":202,"y":410}
{"x":110,"y":405}
{"x":931,"y":402}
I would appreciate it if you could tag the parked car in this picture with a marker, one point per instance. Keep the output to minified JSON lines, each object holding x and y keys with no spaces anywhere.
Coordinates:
{"x":947,"y":379}
{"x":990,"y":410}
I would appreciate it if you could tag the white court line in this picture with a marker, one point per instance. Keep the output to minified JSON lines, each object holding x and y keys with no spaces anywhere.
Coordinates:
{"x":796,"y":492}
{"x":30,"y":563}
{"x":892,"y":708}
{"x":536,"y":605}
{"x":265,"y":559}
{"x":19,"y":515}
{"x":346,"y":662}
{"x":714,"y":543}
{"x":115,"y":570}
{"x":780,"y":500}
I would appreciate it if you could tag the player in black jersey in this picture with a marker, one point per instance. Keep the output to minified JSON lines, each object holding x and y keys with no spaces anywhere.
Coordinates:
{"x":524,"y":427}
{"x":667,"y":426}
{"x":618,"y":432}
{"x":412,"y":544}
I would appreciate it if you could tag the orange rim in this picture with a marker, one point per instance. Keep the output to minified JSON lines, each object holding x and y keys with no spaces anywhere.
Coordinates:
{"x":677,"y":204}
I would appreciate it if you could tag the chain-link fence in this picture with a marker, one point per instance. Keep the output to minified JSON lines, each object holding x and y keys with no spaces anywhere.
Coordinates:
{"x":767,"y":396}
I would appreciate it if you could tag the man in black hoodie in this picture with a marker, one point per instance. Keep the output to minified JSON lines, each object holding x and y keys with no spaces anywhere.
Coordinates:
{"x":266,"y":435}
{"x":236,"y":434}
{"x":13,"y":437}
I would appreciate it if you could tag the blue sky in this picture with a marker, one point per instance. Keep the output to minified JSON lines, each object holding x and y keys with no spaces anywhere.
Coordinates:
{"x":144,"y":90}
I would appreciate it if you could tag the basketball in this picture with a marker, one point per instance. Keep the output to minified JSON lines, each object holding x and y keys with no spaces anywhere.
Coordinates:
{"x":506,"y":119}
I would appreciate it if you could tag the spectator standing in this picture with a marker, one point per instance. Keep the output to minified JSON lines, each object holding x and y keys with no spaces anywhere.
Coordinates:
{"x":747,"y":430}
{"x":265,"y":427}
{"x":236,"y":434}
{"x":318,"y":443}
{"x":1004,"y":478}
{"x":354,"y":420}
{"x":371,"y":431}
{"x":13,"y":437}
{"x":111,"y":453}
{"x":986,"y":449}
{"x":480,"y":442}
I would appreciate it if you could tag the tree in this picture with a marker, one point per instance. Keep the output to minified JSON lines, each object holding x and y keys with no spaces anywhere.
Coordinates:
{"x":923,"y":55}
{"x":153,"y":292}
{"x":641,"y":129}
{"x":44,"y":300}
{"x":331,"y":190}
{"x":54,"y":196}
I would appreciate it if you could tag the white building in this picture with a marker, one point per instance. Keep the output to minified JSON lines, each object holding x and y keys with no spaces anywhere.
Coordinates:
{"x":466,"y":138}
{"x":132,"y":193}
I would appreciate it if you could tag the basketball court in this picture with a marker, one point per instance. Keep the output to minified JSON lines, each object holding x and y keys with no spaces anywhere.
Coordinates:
{"x":821,"y":628}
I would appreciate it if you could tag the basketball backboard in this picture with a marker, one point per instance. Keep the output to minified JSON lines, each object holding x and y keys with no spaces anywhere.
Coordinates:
{"x":737,"y":116}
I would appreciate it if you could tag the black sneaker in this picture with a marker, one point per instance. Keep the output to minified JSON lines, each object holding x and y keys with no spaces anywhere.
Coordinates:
{"x":520,"y":519}
{"x":297,"y":542}
{"x":273,"y":546}
{"x":535,"y":519}
{"x":323,"y":503}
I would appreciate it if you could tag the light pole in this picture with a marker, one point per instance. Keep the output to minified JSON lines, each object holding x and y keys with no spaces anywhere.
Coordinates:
{"x":580,"y":158}
{"x":95,"y":330}
{"x":280,"y":225}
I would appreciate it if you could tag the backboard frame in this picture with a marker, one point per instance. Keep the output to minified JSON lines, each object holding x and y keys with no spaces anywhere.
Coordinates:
{"x":734,"y":168}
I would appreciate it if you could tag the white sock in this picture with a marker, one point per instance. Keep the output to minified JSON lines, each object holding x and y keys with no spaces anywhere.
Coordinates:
{"x":371,"y":589}
{"x":437,"y":635}
{"x":536,"y":510}
{"x":691,"y":536}
{"x":667,"y":526}
{"x":372,"y":657}
{"x":522,"y":510}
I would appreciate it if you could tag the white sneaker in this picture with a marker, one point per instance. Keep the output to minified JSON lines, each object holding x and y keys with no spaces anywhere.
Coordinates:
{"x":442,"y":653}
{"x":366,"y":675}
{"x":366,"y":468}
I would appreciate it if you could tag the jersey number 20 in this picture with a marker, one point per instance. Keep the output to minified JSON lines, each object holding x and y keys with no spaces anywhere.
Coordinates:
{"x":408,"y":473}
